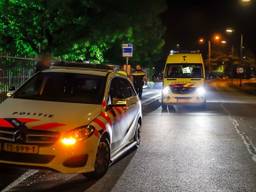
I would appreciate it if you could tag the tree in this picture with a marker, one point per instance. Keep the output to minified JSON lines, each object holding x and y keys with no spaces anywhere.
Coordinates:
{"x":82,"y":29}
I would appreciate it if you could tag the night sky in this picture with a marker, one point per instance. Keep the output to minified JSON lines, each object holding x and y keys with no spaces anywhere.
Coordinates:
{"x":187,"y":20}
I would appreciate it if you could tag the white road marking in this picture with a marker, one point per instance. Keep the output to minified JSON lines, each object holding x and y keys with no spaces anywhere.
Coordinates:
{"x":22,"y":178}
{"x":251,"y":148}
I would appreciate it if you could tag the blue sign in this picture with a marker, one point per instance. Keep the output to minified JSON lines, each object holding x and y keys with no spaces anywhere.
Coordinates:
{"x":127,"y":50}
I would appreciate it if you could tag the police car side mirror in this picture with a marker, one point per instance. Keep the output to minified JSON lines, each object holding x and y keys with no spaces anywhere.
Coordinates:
{"x":117,"y":103}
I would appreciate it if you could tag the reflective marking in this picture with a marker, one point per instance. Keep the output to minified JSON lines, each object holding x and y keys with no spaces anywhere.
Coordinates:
{"x":22,"y":178}
{"x":106,"y":117}
{"x":48,"y":126}
{"x":100,"y":123}
{"x":5,"y":123}
{"x":26,"y":120}
{"x":118,"y":110}
{"x":96,"y":133}
{"x":251,"y":148}
{"x":112,"y":112}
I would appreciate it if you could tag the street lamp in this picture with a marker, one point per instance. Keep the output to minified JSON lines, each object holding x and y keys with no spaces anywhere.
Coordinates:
{"x":201,"y":41}
{"x":231,"y":31}
{"x":216,"y":38}
{"x":223,"y":42}
{"x":245,"y":2}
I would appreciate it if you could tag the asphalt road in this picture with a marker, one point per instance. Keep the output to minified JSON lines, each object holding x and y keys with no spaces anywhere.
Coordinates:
{"x":188,"y":149}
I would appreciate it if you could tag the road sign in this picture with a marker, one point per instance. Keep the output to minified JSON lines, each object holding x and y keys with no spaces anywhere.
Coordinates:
{"x":127,"y":50}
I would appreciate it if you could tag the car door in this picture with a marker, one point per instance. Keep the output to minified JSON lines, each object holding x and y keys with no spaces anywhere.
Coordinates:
{"x":115,"y":93}
{"x":121,"y":89}
{"x":130,"y":111}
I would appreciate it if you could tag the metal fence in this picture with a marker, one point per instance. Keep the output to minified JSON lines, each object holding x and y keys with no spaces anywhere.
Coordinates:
{"x":13,"y":72}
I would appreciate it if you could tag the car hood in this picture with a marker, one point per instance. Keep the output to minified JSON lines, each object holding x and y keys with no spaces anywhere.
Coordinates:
{"x":45,"y":115}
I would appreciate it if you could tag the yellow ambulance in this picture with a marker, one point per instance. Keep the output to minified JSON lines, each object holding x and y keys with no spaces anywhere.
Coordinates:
{"x":183,"y":80}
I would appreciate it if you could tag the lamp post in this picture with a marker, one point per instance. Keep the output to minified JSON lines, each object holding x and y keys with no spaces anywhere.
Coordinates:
{"x":209,"y":55}
{"x":230,"y":31}
{"x":216,"y":39}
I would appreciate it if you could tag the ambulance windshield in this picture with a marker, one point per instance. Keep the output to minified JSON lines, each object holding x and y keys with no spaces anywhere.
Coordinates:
{"x":184,"y":71}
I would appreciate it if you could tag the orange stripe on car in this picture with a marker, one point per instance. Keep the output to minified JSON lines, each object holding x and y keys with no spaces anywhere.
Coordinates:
{"x":96,"y":133}
{"x":118,"y":110}
{"x":106,"y":117}
{"x":48,"y":126}
{"x":4,"y":123}
{"x":100,"y":123}
{"x":112,"y":112}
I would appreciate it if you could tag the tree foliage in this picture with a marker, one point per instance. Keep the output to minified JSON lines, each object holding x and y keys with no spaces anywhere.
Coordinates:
{"x":82,"y":29}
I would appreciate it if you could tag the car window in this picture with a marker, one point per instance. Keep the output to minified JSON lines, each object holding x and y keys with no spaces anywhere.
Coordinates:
{"x":128,"y":89}
{"x":121,"y":88}
{"x":184,"y":71}
{"x":63,"y":87}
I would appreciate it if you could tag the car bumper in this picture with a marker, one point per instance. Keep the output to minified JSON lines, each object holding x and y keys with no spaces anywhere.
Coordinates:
{"x":183,"y":100}
{"x":78,"y":158}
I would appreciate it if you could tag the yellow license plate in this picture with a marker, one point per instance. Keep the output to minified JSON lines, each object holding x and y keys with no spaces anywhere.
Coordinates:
{"x":18,"y":148}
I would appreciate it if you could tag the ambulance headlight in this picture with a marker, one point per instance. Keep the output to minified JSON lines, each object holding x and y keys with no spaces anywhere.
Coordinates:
{"x":78,"y":134}
{"x":201,"y":91}
{"x":166,"y":91}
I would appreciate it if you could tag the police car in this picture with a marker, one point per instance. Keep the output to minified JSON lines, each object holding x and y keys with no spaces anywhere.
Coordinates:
{"x":71,"y":118}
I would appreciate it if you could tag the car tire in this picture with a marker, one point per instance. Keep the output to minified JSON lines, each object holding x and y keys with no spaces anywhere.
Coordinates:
{"x":137,"y":135}
{"x":102,"y":160}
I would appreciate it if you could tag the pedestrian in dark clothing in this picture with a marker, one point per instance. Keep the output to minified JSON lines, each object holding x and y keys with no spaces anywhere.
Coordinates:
{"x":139,"y":76}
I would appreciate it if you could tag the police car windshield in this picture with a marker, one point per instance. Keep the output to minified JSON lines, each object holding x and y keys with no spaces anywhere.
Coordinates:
{"x":63,"y":87}
{"x":184,"y":71}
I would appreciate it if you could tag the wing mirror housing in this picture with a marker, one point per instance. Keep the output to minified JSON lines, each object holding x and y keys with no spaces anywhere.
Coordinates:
{"x":117,"y":103}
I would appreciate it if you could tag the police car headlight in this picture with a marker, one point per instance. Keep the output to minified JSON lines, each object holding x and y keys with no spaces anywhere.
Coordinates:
{"x":201,"y":91}
{"x":78,"y":134}
{"x":166,"y":91}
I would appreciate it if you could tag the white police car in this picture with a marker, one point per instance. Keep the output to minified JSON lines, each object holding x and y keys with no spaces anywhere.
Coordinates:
{"x":72,"y":118}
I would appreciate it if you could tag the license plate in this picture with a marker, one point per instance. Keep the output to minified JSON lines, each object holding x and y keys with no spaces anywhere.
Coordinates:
{"x":182,"y":100}
{"x":18,"y":148}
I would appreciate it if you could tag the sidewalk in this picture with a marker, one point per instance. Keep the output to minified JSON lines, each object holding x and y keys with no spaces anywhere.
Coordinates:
{"x":248,"y":85}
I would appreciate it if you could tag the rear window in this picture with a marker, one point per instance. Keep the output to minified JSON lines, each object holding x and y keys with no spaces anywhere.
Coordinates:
{"x":63,"y":87}
{"x":181,"y":70}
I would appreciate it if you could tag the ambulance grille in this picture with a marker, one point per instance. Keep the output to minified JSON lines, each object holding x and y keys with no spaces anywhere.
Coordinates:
{"x":183,"y":90}
{"x":28,"y":136}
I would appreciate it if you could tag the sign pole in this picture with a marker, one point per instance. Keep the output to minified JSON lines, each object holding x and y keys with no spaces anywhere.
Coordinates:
{"x":127,"y":63}
{"x":127,"y":51}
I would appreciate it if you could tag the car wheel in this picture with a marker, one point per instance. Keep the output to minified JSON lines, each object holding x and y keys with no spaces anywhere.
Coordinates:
{"x":102,"y":160}
{"x":137,"y":136}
